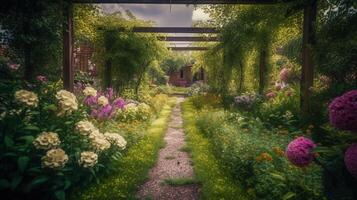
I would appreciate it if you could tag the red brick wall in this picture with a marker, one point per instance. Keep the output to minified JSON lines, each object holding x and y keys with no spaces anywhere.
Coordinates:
{"x":82,"y":56}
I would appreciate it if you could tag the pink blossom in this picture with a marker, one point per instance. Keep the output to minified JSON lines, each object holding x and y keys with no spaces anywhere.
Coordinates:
{"x":299,"y":151}
{"x":119,"y":103}
{"x":41,"y":78}
{"x":284,"y":74}
{"x":351,"y":159}
{"x":271,"y":95}
{"x":14,"y":66}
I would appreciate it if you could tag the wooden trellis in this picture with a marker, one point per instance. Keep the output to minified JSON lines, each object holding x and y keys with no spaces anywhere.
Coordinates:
{"x":307,"y":72}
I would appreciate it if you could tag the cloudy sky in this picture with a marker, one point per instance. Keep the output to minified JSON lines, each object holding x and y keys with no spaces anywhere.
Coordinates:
{"x":162,"y":15}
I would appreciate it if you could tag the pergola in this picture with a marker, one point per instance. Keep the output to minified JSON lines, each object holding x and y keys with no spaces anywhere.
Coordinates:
{"x":307,"y":69}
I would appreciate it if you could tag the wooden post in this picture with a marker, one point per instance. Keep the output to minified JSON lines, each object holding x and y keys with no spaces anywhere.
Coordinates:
{"x":262,"y":71}
{"x":307,"y":70}
{"x":68,"y":72}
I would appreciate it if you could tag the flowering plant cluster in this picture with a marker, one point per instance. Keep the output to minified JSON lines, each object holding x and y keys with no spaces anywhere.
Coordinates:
{"x":299,"y":151}
{"x":245,"y":101}
{"x":198,"y":88}
{"x":343,"y":115}
{"x":47,"y":133}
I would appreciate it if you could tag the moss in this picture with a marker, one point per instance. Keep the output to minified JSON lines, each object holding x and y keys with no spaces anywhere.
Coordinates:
{"x":133,"y":168}
{"x":180,"y":181}
{"x":216,"y":184}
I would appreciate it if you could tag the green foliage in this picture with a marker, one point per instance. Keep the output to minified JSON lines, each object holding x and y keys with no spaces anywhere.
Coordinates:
{"x":33,"y":31}
{"x":173,"y":62}
{"x":125,"y":56}
{"x":132,"y":169}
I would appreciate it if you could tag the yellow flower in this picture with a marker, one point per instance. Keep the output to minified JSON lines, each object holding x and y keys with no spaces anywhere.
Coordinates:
{"x":55,"y":158}
{"x":26,"y":97}
{"x":102,"y":100}
{"x":47,"y":140}
{"x":89,"y":91}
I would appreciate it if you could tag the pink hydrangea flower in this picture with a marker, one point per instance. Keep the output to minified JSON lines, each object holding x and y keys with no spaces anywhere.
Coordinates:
{"x":299,"y":151}
{"x":91,"y":100}
{"x":271,"y":95}
{"x":351,"y":159}
{"x":284,"y":75}
{"x":343,"y":111}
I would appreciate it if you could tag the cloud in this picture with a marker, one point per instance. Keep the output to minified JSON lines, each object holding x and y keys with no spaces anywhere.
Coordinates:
{"x":199,"y":15}
{"x":179,"y":15}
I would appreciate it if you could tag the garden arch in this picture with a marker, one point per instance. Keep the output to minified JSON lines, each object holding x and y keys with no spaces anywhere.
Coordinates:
{"x":307,"y":69}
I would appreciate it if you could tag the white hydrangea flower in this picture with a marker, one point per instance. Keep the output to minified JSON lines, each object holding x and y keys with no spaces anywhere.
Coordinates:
{"x":116,"y":140}
{"x":88,"y":159}
{"x":55,"y":159}
{"x":47,"y":140}
{"x":102,"y":100}
{"x":98,"y":141}
{"x":85,"y":127}
{"x":26,"y":97}
{"x":67,"y":102}
{"x":89,"y":91}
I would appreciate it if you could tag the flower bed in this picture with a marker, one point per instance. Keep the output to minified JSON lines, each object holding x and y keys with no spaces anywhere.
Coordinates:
{"x":255,"y":157}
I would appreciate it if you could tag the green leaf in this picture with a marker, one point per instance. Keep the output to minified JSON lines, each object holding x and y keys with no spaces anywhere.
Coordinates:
{"x":4,"y":184}
{"x":32,"y":128}
{"x":28,"y":138}
{"x":22,"y":162}
{"x":67,"y":184}
{"x":288,"y":195}
{"x":51,"y":107}
{"x":60,"y":195}
{"x":16,"y":181}
{"x":277,"y":176}
{"x":8,"y":141}
{"x":36,"y":182}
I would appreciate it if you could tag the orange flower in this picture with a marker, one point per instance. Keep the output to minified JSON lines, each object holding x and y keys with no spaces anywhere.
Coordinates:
{"x":278,"y":151}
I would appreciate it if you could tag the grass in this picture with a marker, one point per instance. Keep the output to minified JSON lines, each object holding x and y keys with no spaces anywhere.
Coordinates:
{"x":178,"y":90}
{"x":170,"y":157}
{"x":180,"y":181}
{"x":134,"y":167}
{"x":216,"y":183}
{"x":186,"y":149}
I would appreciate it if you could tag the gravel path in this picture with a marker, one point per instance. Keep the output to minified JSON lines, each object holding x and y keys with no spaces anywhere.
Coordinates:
{"x":172,"y":163}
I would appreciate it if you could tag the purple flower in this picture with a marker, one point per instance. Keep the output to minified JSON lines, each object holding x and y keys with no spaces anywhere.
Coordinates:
{"x":109,"y":93}
{"x":343,"y":111}
{"x":299,"y":151}
{"x":105,"y":112}
{"x":351,"y":159}
{"x":91,"y":100}
{"x":244,"y":101}
{"x":119,"y":103}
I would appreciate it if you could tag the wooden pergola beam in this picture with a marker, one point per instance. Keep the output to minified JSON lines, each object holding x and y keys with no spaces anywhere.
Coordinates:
{"x":188,"y":39}
{"x":182,"y":1}
{"x":174,"y":30}
{"x":188,"y":48}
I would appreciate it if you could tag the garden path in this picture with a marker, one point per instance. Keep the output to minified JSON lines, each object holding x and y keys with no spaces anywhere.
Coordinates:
{"x":173,"y":164}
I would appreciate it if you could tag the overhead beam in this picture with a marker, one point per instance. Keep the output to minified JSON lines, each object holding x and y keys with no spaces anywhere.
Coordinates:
{"x":174,"y":30}
{"x":182,"y":1}
{"x":188,"y":48}
{"x":188,"y":39}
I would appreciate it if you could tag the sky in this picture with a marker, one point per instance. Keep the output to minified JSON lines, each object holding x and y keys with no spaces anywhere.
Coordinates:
{"x":162,"y":15}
